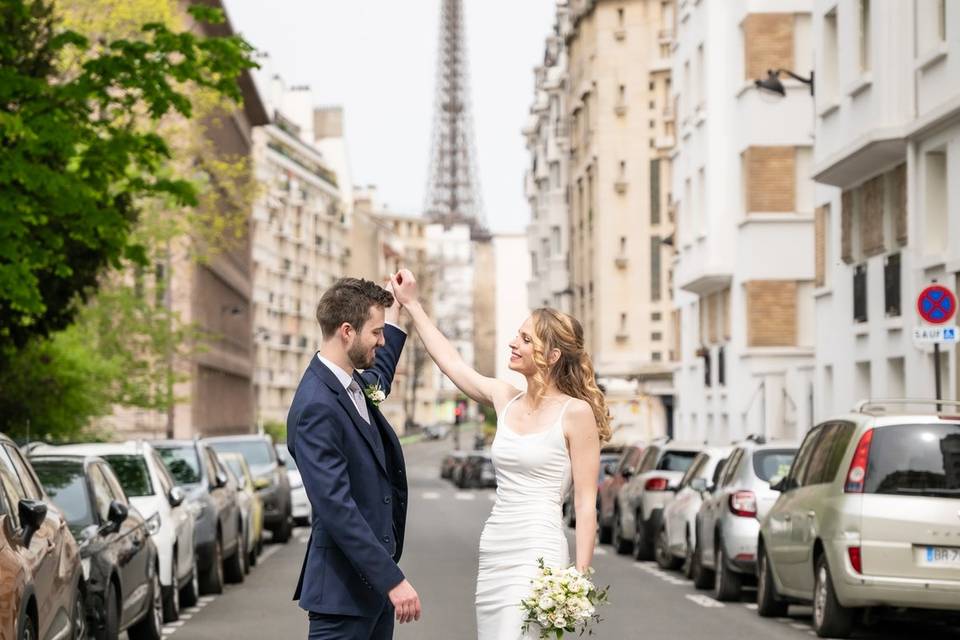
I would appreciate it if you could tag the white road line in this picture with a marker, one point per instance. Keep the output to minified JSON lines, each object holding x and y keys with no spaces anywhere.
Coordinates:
{"x":186,"y":616}
{"x":797,"y":625}
{"x":599,"y":551}
{"x":175,"y":624}
{"x":704,"y":601}
{"x":653,"y":569}
{"x":492,"y":497}
{"x":751,"y":605}
{"x":463,"y":495}
{"x":206,"y":599}
{"x":168,"y":632}
{"x":430,"y":495}
{"x":269,"y":552}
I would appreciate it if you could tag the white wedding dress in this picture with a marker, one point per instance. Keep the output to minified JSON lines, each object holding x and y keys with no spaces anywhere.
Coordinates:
{"x":533,"y":475}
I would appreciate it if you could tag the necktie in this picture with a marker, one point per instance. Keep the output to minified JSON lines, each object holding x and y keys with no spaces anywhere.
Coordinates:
{"x":359,"y":401}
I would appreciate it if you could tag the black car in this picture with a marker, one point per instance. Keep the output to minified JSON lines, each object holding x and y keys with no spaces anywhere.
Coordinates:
{"x":450,"y":463}
{"x":269,"y":477}
{"x":476,"y":471}
{"x":199,"y":472}
{"x":119,"y":559}
{"x":607,"y":457}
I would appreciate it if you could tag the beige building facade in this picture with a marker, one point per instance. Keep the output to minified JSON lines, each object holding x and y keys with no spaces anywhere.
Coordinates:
{"x":618,"y":116}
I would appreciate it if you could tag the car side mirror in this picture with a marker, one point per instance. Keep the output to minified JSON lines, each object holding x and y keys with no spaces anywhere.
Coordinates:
{"x":610,"y":468}
{"x":116,"y":514}
{"x":700,"y":485}
{"x":219,"y":480}
{"x":176,"y":497}
{"x":32,"y":514}
{"x":780,"y":484}
{"x":627,"y":473}
{"x":282,"y":462}
{"x":261,"y":483}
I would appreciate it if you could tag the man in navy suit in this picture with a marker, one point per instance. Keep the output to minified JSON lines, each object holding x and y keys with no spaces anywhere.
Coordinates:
{"x":353,"y":470}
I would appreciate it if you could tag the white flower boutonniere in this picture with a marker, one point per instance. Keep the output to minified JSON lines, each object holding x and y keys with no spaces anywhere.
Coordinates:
{"x":375,"y":394}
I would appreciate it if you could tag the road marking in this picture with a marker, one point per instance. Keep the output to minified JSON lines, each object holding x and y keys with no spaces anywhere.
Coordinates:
{"x":463,"y":495}
{"x":175,"y":623}
{"x":492,"y":497}
{"x":704,"y":601}
{"x":208,"y":599}
{"x":169,"y":631}
{"x":269,"y":552}
{"x":797,"y":625}
{"x":599,"y":551}
{"x":430,"y":495}
{"x":186,"y":616}
{"x":751,"y":605}
{"x":653,"y":569}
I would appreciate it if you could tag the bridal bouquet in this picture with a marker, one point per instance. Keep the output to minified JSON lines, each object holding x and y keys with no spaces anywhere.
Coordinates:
{"x":563,"y":600}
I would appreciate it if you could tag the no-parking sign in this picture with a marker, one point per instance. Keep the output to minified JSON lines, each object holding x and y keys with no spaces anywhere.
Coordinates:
{"x":936,"y":304}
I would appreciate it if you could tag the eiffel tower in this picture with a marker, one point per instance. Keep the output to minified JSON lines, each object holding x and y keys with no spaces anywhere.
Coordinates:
{"x":453,"y":190}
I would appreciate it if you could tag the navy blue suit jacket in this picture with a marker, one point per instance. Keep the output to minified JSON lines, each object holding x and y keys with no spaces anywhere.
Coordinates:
{"x":359,"y":497}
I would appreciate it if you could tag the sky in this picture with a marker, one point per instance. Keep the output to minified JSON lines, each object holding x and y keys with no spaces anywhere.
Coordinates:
{"x":377,"y":59}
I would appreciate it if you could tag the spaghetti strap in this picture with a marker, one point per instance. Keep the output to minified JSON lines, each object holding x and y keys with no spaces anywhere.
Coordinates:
{"x":564,"y":410}
{"x":503,"y":414}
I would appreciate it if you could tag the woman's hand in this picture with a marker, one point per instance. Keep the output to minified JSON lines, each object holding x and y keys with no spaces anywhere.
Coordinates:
{"x":404,"y":287}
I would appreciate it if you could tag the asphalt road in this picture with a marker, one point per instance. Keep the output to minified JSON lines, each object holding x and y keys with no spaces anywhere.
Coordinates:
{"x":440,"y":559}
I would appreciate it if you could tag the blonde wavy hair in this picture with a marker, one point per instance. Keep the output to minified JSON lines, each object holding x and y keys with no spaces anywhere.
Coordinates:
{"x":573,"y":372}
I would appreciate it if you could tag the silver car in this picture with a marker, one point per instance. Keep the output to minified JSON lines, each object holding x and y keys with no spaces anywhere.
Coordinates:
{"x":867,"y":517}
{"x":676,"y":537}
{"x":640,"y":503}
{"x":729,"y":519}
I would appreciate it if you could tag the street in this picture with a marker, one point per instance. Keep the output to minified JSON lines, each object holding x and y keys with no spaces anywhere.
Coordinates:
{"x":440,"y":557}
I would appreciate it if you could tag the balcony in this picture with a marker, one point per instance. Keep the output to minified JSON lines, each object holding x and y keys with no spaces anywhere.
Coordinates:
{"x":621,"y":261}
{"x":620,"y":34}
{"x":665,"y":36}
{"x":700,"y":270}
{"x":620,"y":109}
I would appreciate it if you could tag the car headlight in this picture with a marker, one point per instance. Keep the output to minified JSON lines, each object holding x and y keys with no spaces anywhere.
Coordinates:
{"x":153,"y":524}
{"x":85,"y":565}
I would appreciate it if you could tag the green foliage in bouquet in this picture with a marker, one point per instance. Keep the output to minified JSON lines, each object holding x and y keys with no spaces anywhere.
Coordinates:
{"x":562,"y":601}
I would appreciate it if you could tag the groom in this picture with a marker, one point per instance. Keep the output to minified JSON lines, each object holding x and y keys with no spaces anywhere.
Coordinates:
{"x":353,"y":470}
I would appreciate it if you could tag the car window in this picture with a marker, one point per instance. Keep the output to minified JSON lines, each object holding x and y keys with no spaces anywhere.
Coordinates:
{"x":211,"y":465}
{"x":182,"y":462}
{"x":771,"y":463}
{"x":799,"y":467}
{"x":695,"y":468}
{"x":256,"y":452}
{"x":30,"y":485}
{"x":631,"y":457}
{"x":826,"y":457}
{"x":676,"y":460}
{"x":132,"y":473}
{"x":649,"y":459}
{"x":730,"y":467}
{"x":236,"y":467}
{"x":284,"y":455}
{"x":915,"y":459}
{"x":11,"y":485}
{"x":163,"y":476}
{"x":718,"y":471}
{"x":66,"y":485}
{"x":101,"y":492}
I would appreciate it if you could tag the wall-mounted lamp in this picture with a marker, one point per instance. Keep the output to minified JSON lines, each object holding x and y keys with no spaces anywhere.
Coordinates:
{"x":772,"y":82}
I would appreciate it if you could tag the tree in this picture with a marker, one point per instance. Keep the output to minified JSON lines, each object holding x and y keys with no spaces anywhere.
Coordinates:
{"x":81,"y":156}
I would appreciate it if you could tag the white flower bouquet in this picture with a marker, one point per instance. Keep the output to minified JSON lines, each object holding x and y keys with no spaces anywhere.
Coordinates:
{"x":563,"y":601}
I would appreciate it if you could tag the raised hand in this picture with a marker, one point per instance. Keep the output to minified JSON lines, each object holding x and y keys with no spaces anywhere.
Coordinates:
{"x":392,"y":314}
{"x":405,"y":602}
{"x":404,"y":287}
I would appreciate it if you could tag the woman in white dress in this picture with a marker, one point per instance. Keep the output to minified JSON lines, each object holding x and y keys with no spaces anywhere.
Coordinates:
{"x":547,"y":437}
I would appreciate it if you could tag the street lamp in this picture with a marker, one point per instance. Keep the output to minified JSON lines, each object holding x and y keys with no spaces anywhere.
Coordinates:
{"x":772,"y":82}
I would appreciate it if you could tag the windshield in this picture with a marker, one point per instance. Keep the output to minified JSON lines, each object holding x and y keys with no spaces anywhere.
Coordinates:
{"x":773,"y":463}
{"x":284,"y":455}
{"x":182,"y":462}
{"x":915,"y":460}
{"x":132,"y":473}
{"x":66,"y":485}
{"x":676,"y":460}
{"x":237,"y":468}
{"x":256,"y":452}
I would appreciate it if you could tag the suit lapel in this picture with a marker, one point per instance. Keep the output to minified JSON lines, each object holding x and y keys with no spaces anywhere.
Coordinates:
{"x":343,"y":398}
{"x":389,"y":436}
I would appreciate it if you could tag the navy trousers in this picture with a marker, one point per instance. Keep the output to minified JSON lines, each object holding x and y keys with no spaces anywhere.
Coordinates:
{"x":331,"y":627}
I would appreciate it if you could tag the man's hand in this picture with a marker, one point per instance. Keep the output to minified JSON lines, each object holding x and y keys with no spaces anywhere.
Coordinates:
{"x":405,"y":601}
{"x":392,"y":313}
{"x":404,"y":287}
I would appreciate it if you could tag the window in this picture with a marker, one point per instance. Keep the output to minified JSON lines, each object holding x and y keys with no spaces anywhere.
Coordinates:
{"x":829,"y":76}
{"x":101,"y":492}
{"x":27,"y":479}
{"x":182,"y":462}
{"x":10,"y":483}
{"x":115,"y":489}
{"x":864,"y":35}
{"x":655,"y":275}
{"x":656,"y":316}
{"x":860,"y":293}
{"x":655,"y":191}
{"x":802,"y":462}
{"x":66,"y":485}
{"x":915,"y":460}
{"x":698,"y":464}
{"x":770,"y":463}
{"x":656,"y":336}
{"x":891,"y":284}
{"x":828,"y":454}
{"x":132,"y":473}
{"x":730,"y":467}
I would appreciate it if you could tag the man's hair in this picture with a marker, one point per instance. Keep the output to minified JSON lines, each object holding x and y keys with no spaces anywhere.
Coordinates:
{"x":349,"y":300}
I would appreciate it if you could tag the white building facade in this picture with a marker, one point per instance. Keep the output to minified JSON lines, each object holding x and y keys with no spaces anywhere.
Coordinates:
{"x":743,"y":202}
{"x":511,"y":308}
{"x":887,"y":160}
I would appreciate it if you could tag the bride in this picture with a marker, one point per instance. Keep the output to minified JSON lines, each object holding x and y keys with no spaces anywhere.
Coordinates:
{"x":547,"y":437}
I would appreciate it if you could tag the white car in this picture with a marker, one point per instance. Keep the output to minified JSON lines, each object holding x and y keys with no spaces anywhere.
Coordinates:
{"x":152,"y":491}
{"x":298,"y":495}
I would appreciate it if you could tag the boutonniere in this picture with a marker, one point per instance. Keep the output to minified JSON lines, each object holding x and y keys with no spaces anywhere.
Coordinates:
{"x":374,"y":393}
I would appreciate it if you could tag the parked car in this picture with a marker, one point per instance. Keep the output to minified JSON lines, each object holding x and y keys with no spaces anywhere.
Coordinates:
{"x":617,"y":475}
{"x":641,"y":501}
{"x":120,"y":559}
{"x":250,"y":505}
{"x":476,"y":471}
{"x":300,"y":505}
{"x":676,"y":536}
{"x":269,"y":476}
{"x":450,"y":463}
{"x":42,"y":588}
{"x":729,"y":518}
{"x":609,"y":456}
{"x":149,"y":487}
{"x":199,"y":472}
{"x":436,"y":431}
{"x":867,"y":517}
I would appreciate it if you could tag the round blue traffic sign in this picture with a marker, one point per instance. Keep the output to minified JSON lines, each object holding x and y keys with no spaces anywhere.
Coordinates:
{"x":936,"y":304}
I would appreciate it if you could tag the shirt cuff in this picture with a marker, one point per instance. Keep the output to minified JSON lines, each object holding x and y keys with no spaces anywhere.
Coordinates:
{"x":397,"y":327}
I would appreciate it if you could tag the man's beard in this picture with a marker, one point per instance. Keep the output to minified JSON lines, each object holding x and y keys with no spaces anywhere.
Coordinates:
{"x":359,"y":356}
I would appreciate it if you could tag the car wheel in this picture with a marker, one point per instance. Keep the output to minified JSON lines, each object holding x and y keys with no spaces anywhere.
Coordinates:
{"x":688,"y":560}
{"x":283,"y":530}
{"x":662,"y":553}
{"x":604,"y":533}
{"x":620,"y":544}
{"x":171,"y":594}
{"x":79,"y":622}
{"x":726,"y":583}
{"x":109,"y":627}
{"x":212,"y":580}
{"x":151,"y":626}
{"x":830,"y":618}
{"x":769,"y":602}
{"x":702,"y":577}
{"x":233,"y":570}
{"x":252,"y":556}
{"x":641,"y":545}
{"x":28,"y":630}
{"x":191,"y":591}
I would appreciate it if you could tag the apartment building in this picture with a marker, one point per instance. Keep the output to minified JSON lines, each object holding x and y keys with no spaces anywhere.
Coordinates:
{"x":619,"y":135}
{"x":744,"y":204}
{"x":887,"y":163}
{"x":546,"y":180}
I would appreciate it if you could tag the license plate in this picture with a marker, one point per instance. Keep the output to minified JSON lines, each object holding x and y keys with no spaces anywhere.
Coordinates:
{"x":941,"y":556}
